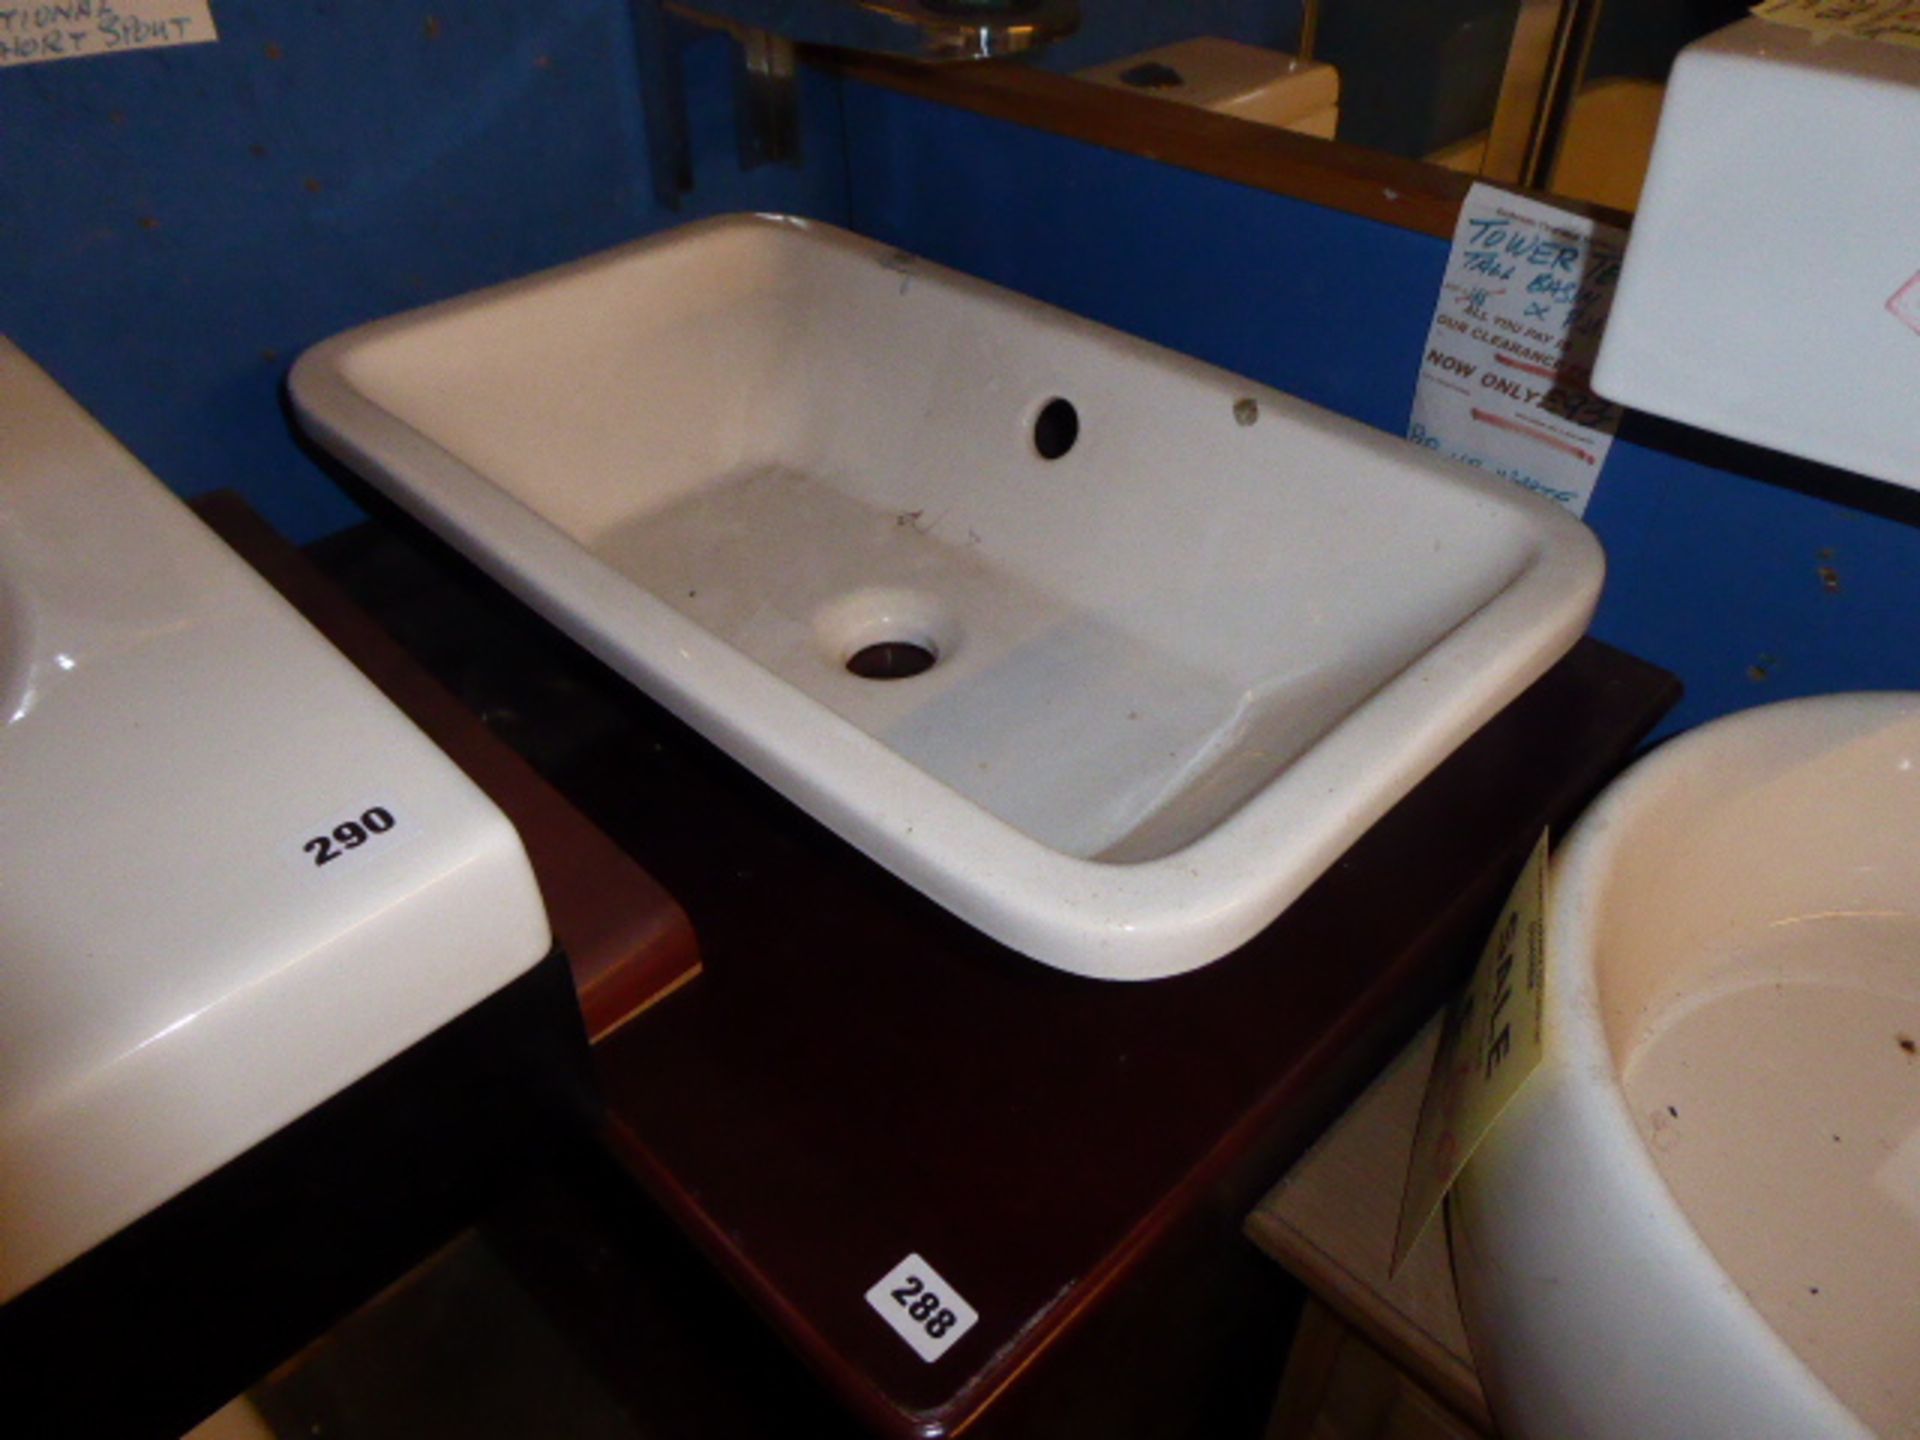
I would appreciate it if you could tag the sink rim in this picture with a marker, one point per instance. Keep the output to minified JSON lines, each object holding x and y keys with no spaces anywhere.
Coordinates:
{"x":1135,"y":920}
{"x":1574,"y":1111}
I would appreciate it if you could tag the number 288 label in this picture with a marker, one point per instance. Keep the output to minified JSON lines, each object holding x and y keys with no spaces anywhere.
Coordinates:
{"x":923,"y":1309}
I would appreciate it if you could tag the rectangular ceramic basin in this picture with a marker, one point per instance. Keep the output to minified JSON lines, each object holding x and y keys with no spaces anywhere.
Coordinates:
{"x":1178,"y":668}
{"x":233,"y":878}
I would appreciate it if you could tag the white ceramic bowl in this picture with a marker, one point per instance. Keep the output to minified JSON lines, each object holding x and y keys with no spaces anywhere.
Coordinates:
{"x":1701,"y":1216}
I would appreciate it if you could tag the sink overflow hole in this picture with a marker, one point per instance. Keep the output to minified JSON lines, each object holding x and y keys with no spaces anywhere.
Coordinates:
{"x":891,"y":660}
{"x":1055,"y":428}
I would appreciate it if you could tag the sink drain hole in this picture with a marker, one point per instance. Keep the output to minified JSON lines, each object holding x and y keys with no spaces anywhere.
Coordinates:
{"x":1055,"y":428}
{"x":891,"y":660}
{"x":886,"y":632}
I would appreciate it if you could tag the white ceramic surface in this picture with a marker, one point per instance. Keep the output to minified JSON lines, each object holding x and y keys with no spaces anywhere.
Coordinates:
{"x":1771,"y":288}
{"x":1181,"y":667}
{"x":1700,"y":1219}
{"x":178,"y":977}
{"x":1229,"y":78}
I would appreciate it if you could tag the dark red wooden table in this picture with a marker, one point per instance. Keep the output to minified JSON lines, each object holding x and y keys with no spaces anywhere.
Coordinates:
{"x":858,"y":1076}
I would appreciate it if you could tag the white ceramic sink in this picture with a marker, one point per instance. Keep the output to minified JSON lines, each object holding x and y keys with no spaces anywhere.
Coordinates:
{"x":181,"y":973}
{"x":1700,"y":1218}
{"x":1771,"y":289}
{"x":1179,"y":668}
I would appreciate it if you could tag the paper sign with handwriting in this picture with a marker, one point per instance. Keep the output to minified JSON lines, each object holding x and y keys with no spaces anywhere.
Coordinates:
{"x":31,"y":34}
{"x":1505,"y":378}
{"x":1894,"y":21}
{"x":1492,"y":1043}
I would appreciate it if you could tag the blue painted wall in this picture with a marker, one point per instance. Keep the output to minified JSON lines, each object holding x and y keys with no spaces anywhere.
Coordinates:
{"x":1752,"y":577}
{"x":177,"y":225}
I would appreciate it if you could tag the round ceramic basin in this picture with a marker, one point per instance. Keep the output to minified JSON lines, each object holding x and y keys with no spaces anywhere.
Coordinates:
{"x":1700,"y":1217}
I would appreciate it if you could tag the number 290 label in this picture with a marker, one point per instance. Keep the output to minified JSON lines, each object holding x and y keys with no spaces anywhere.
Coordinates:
{"x":371,"y":829}
{"x":923,"y":1309}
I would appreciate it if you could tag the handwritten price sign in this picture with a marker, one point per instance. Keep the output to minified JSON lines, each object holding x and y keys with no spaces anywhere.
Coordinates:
{"x":1505,"y":380}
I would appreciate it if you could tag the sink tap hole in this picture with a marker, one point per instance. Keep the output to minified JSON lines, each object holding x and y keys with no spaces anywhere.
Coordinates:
{"x":1055,"y":428}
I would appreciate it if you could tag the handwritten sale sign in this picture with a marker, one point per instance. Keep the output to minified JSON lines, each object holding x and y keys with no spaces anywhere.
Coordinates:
{"x":1494,"y":1039}
{"x":37,"y":31}
{"x":1505,"y":380}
